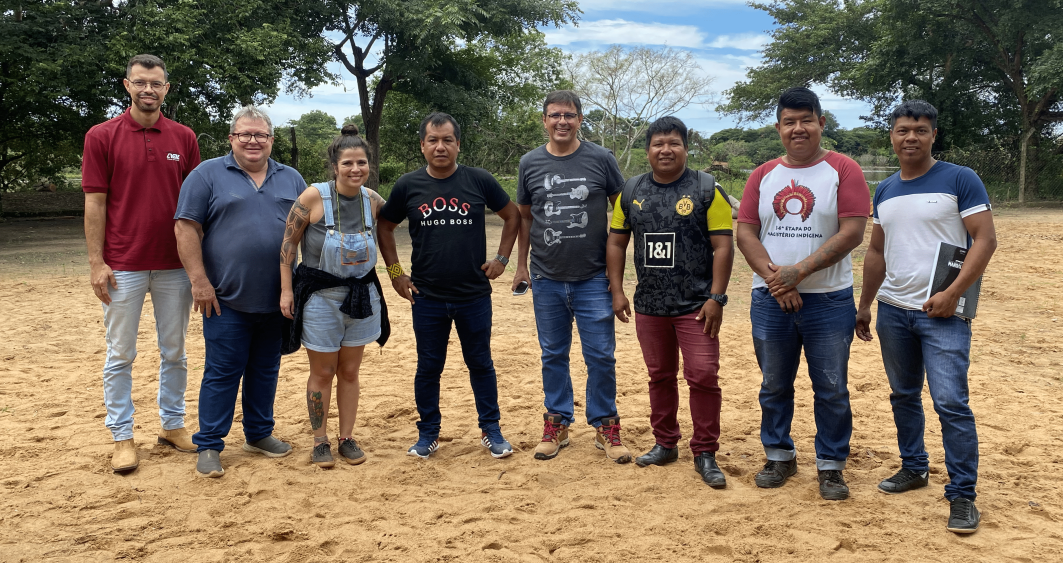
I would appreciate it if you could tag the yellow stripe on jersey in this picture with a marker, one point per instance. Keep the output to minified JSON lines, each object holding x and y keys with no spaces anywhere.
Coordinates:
{"x":719,"y":214}
{"x":619,"y":222}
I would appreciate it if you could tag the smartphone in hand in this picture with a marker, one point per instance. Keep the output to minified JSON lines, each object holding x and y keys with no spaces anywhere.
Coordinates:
{"x":522,"y":288}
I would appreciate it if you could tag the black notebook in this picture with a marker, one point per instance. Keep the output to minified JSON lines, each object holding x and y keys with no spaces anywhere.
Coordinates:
{"x":947,"y":264}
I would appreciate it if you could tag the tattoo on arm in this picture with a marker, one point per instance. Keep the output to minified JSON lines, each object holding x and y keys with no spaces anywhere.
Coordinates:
{"x":298,"y":219}
{"x":316,"y":409}
{"x":826,"y":256}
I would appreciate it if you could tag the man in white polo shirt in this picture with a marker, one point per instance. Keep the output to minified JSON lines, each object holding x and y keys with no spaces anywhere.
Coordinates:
{"x":924,"y":204}
{"x":800,"y":217}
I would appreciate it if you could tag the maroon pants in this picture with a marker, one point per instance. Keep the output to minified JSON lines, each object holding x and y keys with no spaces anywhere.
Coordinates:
{"x":662,"y":338}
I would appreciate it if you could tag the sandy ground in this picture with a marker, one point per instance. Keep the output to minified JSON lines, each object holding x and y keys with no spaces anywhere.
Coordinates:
{"x":60,"y":500}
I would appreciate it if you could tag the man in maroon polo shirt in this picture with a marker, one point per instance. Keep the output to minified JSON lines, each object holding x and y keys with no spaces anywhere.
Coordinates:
{"x":131,"y":174}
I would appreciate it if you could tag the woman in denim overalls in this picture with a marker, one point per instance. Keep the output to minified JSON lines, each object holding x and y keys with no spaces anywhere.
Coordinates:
{"x":334,"y":224}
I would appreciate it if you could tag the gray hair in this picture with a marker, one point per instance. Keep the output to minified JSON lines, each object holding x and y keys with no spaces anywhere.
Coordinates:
{"x":254,"y":114}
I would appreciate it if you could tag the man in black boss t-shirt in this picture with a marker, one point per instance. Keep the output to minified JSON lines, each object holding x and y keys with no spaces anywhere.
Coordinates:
{"x":444,"y":203}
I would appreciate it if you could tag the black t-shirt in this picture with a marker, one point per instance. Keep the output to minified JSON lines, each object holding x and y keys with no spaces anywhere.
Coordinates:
{"x":447,"y":229}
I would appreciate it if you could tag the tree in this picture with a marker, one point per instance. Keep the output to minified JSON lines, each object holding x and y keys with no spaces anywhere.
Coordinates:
{"x":992,"y":67}
{"x":634,"y":87}
{"x":440,"y":52}
{"x":314,"y":132}
{"x":61,"y":64}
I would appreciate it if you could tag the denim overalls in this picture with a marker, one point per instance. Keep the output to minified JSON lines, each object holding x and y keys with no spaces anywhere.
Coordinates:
{"x":347,"y":254}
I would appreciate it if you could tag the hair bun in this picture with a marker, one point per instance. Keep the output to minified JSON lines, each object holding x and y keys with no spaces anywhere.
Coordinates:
{"x":349,"y":129}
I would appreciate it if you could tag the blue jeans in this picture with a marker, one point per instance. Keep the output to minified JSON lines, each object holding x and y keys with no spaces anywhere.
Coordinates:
{"x":239,"y":346}
{"x":171,"y":298}
{"x":824,"y":327}
{"x":913,"y":343}
{"x":591,"y":305}
{"x":432,"y":320}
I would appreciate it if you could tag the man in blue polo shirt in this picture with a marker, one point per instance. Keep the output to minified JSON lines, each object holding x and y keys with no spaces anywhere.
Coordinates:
{"x":924,"y":204}
{"x":231,"y":216}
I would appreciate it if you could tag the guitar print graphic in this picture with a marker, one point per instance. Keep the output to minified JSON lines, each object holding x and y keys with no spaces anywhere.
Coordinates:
{"x":549,"y":208}
{"x":554,"y":237}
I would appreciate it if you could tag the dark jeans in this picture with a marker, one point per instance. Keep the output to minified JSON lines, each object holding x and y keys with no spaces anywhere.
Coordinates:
{"x":913,"y":343}
{"x":432,"y":321}
{"x":238,"y":346}
{"x":824,"y":328}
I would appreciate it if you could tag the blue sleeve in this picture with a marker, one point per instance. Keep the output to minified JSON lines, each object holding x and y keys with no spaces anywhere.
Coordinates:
{"x":970,"y":191}
{"x":877,"y":199}
{"x":193,"y":202}
{"x":394,"y":209}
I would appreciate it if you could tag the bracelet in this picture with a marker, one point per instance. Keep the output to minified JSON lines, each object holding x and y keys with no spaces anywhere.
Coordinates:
{"x":395,"y":271}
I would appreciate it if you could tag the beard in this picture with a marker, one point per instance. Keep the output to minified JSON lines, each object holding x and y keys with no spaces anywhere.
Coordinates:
{"x":139,"y":103}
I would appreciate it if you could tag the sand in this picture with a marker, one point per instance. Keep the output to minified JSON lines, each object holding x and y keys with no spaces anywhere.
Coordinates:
{"x":61,"y":501}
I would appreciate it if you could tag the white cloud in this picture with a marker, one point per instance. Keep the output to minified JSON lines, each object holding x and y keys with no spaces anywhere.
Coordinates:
{"x":625,"y":32}
{"x":647,"y":6}
{"x":743,"y":42}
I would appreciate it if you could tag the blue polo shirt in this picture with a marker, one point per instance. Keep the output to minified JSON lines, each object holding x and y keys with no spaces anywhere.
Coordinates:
{"x":242,"y":228}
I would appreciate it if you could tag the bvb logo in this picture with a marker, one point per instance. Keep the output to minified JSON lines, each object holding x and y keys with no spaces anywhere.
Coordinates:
{"x":684,"y":206}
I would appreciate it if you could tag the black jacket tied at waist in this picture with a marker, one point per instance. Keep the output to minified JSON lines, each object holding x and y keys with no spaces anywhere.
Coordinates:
{"x":356,"y":305}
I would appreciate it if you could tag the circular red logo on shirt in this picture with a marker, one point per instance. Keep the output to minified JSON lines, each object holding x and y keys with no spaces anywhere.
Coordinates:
{"x":794,"y":199}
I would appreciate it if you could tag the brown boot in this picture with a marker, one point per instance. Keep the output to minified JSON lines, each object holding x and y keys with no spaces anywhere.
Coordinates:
{"x":124,"y":459}
{"x":608,"y":439}
{"x":178,"y":438}
{"x":555,"y":437}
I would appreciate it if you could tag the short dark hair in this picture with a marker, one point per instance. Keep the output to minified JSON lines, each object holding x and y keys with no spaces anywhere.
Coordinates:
{"x":665,"y":125}
{"x":437,"y":119}
{"x":798,"y":98}
{"x":148,"y":62}
{"x":563,"y":97}
{"x":348,"y":139}
{"x":915,"y":109}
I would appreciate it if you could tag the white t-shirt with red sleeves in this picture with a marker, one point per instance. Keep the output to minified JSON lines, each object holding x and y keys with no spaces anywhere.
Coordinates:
{"x":798,"y":208}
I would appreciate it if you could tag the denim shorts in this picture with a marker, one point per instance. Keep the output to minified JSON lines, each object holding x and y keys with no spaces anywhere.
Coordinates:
{"x":326,"y":329}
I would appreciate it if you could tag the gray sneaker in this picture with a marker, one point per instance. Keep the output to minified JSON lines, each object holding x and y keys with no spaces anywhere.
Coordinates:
{"x":322,"y":455}
{"x":209,"y":464}
{"x":350,"y":452}
{"x":269,"y":447}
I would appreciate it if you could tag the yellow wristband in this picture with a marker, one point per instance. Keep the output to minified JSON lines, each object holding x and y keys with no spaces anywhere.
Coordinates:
{"x":395,"y":271}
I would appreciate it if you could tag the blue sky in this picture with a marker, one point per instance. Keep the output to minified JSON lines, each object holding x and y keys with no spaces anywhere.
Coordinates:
{"x":725,"y":36}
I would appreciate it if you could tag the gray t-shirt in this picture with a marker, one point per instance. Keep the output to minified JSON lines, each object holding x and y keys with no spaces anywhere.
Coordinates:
{"x":569,"y":199}
{"x":348,"y":215}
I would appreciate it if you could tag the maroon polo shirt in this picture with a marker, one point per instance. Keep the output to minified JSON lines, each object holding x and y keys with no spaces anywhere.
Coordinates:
{"x":141,"y":171}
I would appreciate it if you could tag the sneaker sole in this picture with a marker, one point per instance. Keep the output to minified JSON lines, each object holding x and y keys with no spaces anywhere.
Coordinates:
{"x":542,"y":456}
{"x":164,"y":442}
{"x":211,"y":475}
{"x":126,"y":469}
{"x":962,"y":530}
{"x":324,"y":464}
{"x":622,"y":459}
{"x":355,"y":461}
{"x":267,"y":453}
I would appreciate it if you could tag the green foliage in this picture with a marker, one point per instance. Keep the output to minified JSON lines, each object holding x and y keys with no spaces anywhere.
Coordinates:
{"x":476,"y":56}
{"x":314,"y":132}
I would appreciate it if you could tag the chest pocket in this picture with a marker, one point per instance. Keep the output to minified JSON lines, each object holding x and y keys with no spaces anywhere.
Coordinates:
{"x":284,"y":207}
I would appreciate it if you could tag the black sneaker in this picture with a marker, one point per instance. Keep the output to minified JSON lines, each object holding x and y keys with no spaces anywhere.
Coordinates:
{"x":832,"y":485}
{"x":350,"y":452}
{"x":322,"y":455}
{"x":775,"y":473}
{"x":963,"y":516}
{"x":904,"y":480}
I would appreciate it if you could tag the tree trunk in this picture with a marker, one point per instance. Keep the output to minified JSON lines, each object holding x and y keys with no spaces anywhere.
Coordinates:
{"x":295,"y":150}
{"x":1023,"y":147}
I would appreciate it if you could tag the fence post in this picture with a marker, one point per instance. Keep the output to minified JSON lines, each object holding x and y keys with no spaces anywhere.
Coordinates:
{"x":295,"y":150}
{"x":1023,"y":147}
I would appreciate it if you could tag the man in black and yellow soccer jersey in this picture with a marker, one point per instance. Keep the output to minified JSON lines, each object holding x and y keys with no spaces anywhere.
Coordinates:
{"x":683,"y":256}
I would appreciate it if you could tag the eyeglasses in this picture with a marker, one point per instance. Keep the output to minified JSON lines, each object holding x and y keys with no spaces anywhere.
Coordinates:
{"x":558,"y":116}
{"x":141,"y":84}
{"x":246,"y":137}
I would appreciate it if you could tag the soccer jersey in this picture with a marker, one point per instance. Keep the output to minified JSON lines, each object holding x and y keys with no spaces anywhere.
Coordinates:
{"x":798,"y":208}
{"x":916,"y":216}
{"x":671,"y":226}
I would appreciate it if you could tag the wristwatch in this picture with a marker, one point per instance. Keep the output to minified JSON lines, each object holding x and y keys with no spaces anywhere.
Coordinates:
{"x":719,"y":298}
{"x":502,"y":259}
